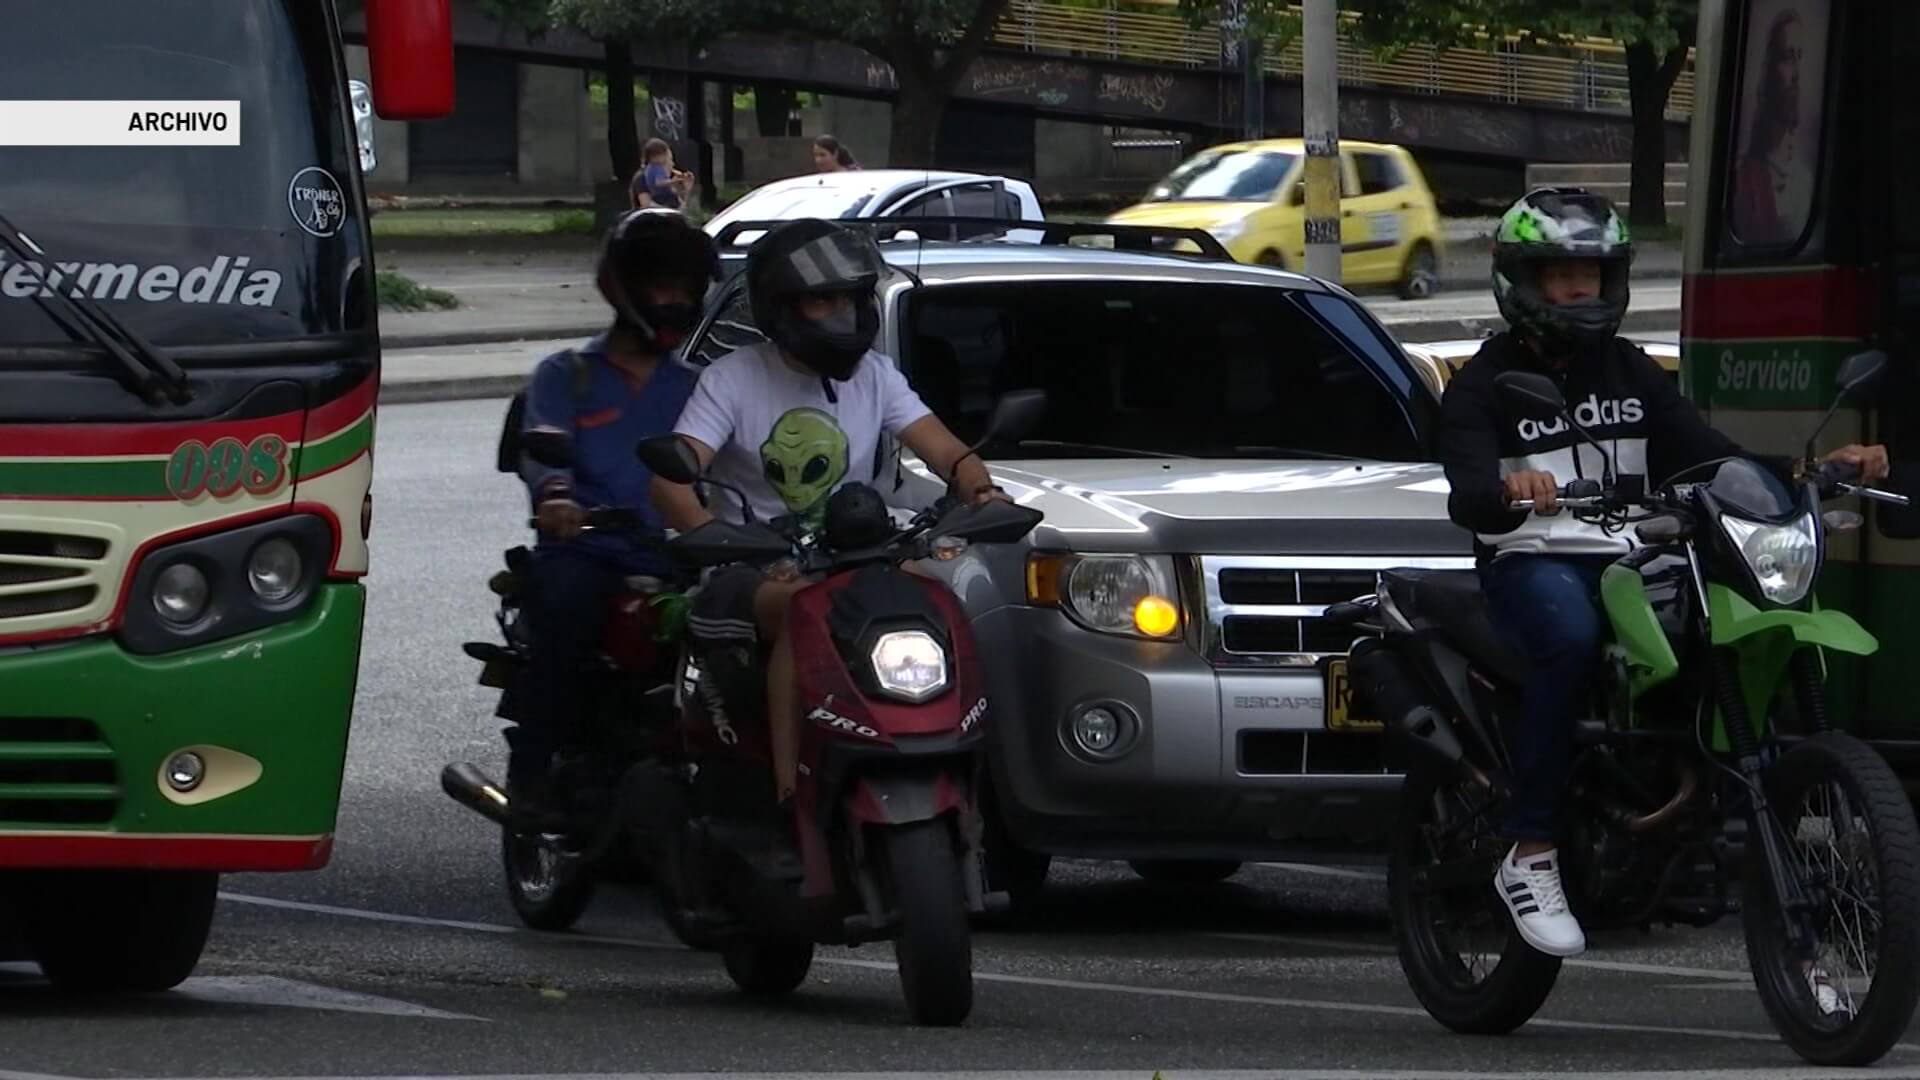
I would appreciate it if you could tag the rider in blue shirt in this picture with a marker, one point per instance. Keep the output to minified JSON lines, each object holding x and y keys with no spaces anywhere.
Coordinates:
{"x":621,"y":387}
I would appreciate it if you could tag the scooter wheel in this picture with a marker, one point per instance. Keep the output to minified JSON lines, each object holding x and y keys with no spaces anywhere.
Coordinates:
{"x":549,"y":886}
{"x":935,"y":946}
{"x":768,"y":967}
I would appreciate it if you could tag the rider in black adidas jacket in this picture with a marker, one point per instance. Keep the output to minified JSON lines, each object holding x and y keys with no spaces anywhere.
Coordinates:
{"x":1561,"y":258}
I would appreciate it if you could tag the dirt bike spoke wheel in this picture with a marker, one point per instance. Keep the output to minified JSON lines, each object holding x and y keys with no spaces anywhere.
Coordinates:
{"x":1849,"y":833}
{"x":1458,"y":947}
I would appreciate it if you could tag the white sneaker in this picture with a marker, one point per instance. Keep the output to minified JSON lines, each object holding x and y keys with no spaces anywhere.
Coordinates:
{"x":1825,"y":997}
{"x":1533,"y":896}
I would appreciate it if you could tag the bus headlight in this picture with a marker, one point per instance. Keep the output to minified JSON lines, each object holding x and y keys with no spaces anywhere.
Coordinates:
{"x":216,"y":586}
{"x":274,"y":570}
{"x":180,"y":593}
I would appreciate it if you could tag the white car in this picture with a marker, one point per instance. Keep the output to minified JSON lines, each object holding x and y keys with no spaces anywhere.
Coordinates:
{"x":890,"y":193}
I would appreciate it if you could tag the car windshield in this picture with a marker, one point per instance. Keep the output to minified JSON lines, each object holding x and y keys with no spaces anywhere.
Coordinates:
{"x":186,"y":244}
{"x":1195,"y":369}
{"x":837,"y":201}
{"x":1228,"y":176}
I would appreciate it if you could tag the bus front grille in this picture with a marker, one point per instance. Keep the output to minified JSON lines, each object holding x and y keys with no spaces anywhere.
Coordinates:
{"x":56,"y":771}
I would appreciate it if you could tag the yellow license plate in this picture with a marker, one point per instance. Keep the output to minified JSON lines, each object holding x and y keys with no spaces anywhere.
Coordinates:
{"x":1339,"y":699}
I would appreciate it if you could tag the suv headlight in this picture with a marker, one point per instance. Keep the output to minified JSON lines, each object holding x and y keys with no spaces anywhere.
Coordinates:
{"x":1113,"y":594}
{"x":909,"y":664}
{"x":1782,"y":558}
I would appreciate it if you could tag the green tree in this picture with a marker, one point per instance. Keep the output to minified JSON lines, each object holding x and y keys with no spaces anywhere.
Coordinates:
{"x":1655,"y":33}
{"x":928,"y":43}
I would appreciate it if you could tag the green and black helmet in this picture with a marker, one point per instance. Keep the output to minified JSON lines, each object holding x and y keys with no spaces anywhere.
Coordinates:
{"x":1561,"y":223}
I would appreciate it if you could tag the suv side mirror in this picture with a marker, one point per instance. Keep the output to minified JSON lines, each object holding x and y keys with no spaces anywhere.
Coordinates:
{"x":1529,"y":396}
{"x":548,"y":446}
{"x":669,"y":458}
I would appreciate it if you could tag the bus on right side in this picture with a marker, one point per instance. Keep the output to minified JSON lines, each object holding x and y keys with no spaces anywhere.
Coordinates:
{"x":1802,"y":248}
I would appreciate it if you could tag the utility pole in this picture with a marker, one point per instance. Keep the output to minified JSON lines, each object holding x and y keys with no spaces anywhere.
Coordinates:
{"x":1320,"y":116}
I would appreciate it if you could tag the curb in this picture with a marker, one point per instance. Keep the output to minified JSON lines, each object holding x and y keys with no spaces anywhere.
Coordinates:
{"x":428,"y":339}
{"x":483,"y":387}
{"x":1416,"y":332}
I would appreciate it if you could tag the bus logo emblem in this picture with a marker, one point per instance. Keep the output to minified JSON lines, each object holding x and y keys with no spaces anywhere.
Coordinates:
{"x":227,"y":466}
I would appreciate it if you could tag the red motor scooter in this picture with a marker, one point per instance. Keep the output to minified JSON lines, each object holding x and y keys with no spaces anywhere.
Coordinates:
{"x":883,"y":840}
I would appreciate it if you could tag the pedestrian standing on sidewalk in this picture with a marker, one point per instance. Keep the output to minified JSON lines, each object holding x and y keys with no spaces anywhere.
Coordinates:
{"x":830,"y":155}
{"x":659,"y":183}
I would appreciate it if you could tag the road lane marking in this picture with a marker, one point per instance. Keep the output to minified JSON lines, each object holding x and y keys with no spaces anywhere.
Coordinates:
{"x":1623,"y":966}
{"x":1127,"y":989}
{"x":273,"y":991}
{"x":1326,"y":871}
{"x":1773,"y":1073}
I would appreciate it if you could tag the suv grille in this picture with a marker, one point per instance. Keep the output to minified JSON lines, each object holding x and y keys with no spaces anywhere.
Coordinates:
{"x":56,"y":771}
{"x":1264,"y":611}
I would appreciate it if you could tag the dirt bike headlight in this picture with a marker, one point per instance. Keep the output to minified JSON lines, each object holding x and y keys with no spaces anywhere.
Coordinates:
{"x":1783,"y":558}
{"x":909,"y":664}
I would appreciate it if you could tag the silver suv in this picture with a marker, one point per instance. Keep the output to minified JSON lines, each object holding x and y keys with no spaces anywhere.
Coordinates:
{"x":1227,"y":450}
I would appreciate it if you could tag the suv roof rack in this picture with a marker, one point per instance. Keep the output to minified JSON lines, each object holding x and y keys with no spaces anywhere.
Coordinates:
{"x":1160,"y":238}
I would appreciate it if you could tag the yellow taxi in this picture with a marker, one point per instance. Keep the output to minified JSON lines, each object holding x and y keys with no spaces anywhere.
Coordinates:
{"x":1251,"y":197}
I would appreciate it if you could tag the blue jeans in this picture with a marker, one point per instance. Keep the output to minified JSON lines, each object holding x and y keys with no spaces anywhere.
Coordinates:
{"x":1545,"y":607}
{"x":566,"y":607}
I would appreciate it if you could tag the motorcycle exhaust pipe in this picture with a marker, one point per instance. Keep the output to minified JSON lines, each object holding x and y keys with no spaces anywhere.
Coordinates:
{"x":470,"y":788}
{"x":1419,"y":731}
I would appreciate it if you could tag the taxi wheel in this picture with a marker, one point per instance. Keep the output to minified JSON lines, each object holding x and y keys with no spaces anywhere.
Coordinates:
{"x":1420,"y":277}
{"x":1271,"y":258}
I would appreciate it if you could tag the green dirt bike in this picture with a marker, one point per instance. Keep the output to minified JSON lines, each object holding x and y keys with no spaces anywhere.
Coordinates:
{"x":1708,"y":736}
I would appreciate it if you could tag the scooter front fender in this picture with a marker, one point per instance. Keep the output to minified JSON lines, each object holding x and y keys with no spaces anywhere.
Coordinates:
{"x":902,"y":800}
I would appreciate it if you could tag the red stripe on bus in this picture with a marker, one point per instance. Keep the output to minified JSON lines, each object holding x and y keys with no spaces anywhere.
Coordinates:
{"x":342,"y":411}
{"x":148,"y":438}
{"x":51,"y":850}
{"x":1825,"y":303}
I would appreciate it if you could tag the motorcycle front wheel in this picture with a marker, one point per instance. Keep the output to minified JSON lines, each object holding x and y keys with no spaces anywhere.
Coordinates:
{"x":1850,"y":837}
{"x":548,"y":885}
{"x":1458,"y":947}
{"x":935,"y":946}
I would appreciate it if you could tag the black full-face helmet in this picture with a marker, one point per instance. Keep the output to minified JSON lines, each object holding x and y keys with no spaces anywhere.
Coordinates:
{"x":1561,"y":223}
{"x":649,"y":249}
{"x":813,"y":258}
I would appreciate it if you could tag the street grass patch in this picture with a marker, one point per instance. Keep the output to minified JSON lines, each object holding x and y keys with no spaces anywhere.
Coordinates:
{"x":401,"y":293}
{"x":481,"y":222}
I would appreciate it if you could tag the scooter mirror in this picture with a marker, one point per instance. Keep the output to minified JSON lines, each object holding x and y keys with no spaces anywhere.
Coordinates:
{"x":669,"y":458}
{"x":1529,"y":396}
{"x":1014,"y":415}
{"x":548,"y":446}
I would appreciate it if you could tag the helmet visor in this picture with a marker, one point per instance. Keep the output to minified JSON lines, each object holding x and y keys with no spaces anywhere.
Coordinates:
{"x":842,"y":260}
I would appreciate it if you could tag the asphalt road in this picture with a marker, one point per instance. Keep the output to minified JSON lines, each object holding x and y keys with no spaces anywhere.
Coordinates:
{"x":403,"y":958}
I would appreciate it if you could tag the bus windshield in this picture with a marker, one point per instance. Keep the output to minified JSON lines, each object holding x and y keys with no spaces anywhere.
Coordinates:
{"x":187,"y":245}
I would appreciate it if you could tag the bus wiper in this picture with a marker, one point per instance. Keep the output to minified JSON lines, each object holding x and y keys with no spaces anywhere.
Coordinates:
{"x":151,"y":375}
{"x":1097,"y":448}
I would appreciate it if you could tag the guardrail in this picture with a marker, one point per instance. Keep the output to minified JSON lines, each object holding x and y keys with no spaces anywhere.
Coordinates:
{"x":1590,"y":76}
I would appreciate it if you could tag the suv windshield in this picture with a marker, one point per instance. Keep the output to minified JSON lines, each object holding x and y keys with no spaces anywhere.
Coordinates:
{"x":1227,"y":176}
{"x":187,"y":244}
{"x":1206,"y":370}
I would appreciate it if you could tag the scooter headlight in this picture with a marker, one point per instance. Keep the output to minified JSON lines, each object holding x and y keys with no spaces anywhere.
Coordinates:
{"x":1783,"y":558}
{"x":909,"y":664}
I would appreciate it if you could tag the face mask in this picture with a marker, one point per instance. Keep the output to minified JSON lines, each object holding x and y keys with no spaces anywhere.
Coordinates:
{"x":839,"y":322}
